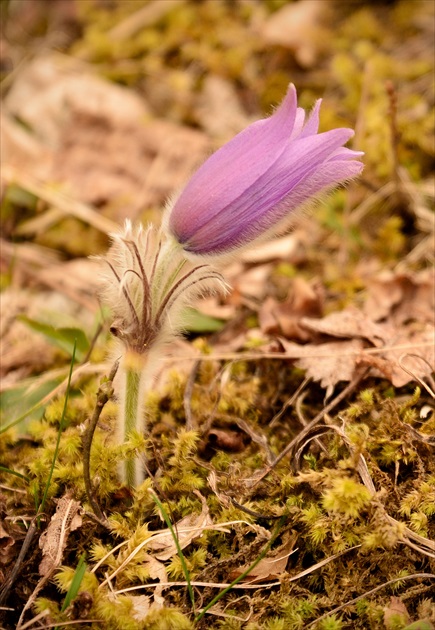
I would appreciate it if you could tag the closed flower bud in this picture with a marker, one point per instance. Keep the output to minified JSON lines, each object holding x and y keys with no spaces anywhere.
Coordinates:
{"x":254,"y":184}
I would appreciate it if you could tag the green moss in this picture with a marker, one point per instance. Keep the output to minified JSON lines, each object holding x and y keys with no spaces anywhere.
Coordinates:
{"x":328,"y":508}
{"x":332,"y":622}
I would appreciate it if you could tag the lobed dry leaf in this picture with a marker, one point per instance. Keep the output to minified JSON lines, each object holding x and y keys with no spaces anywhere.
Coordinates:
{"x":350,"y":323}
{"x":400,"y":297}
{"x":65,"y":520}
{"x":409,"y":358}
{"x":397,"y":321}
{"x":270,"y":567}
{"x":287,"y":318}
{"x":187,"y":529}
{"x":329,"y":363}
{"x":299,"y":27}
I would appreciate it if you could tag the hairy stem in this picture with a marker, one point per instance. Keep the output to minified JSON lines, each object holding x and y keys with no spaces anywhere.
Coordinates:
{"x":131,"y":412}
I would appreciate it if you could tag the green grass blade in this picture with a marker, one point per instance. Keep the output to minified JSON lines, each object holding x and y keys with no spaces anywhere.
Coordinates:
{"x":59,"y":433}
{"x":245,"y":573}
{"x":13,"y":472}
{"x":177,"y":544}
{"x":76,"y":581}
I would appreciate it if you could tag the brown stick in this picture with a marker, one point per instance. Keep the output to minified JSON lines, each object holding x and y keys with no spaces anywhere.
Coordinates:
{"x":301,"y":436}
{"x":17,"y":566}
{"x":105,"y":392}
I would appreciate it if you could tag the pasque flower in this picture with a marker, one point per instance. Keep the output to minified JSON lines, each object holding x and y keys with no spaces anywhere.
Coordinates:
{"x":253,"y":185}
{"x":248,"y":189}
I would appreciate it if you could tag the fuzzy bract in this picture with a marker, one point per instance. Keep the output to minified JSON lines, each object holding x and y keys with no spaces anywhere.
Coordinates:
{"x":255,"y":183}
{"x":147,"y":283}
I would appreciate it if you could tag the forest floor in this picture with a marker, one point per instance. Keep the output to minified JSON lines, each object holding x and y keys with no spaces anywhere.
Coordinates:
{"x":289,"y":437}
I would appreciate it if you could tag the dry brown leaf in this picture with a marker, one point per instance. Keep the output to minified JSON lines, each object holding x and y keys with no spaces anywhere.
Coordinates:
{"x":269,"y":568}
{"x":328,"y":363}
{"x":251,"y":282}
{"x":400,"y":297}
{"x":141,"y":606}
{"x":77,"y":279}
{"x":212,"y":307}
{"x":129,"y":165}
{"x":104,"y":148}
{"x":187,"y":529}
{"x":157,"y":571}
{"x":298,"y":26}
{"x":6,"y":542}
{"x":219,"y":110}
{"x":66,"y":519}
{"x":290,"y":248}
{"x":48,"y":92}
{"x":177,"y":152}
{"x":22,"y":150}
{"x":411,"y":356}
{"x":284,"y":318}
{"x":350,"y":323}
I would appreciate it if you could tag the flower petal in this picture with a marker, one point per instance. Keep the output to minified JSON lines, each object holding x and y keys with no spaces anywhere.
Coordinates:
{"x":267,"y":138}
{"x":250,"y":185}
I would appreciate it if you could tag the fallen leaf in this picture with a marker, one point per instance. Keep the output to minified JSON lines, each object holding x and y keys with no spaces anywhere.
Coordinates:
{"x":298,"y":26}
{"x":6,"y":542}
{"x":157,"y":571}
{"x":350,"y":323}
{"x":187,"y":529}
{"x":290,"y":248}
{"x":21,"y":149}
{"x":141,"y":606}
{"x":48,"y":92}
{"x":284,"y":318}
{"x":329,"y":363}
{"x":411,"y":356}
{"x":53,"y":541}
{"x":126,"y":164}
{"x":219,"y":110}
{"x":270,"y":567}
{"x":105,"y":149}
{"x":401,"y":297}
{"x":251,"y":282}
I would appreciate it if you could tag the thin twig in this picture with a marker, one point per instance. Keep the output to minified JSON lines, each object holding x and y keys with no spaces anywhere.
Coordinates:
{"x":105,"y":392}
{"x":302,"y":435}
{"x":243,"y":585}
{"x":264,"y":517}
{"x":93,"y":342}
{"x":419,"y":380}
{"x":288,"y":403}
{"x":187,"y":398}
{"x":256,"y":437}
{"x":414,"y":576}
{"x":17,"y":566}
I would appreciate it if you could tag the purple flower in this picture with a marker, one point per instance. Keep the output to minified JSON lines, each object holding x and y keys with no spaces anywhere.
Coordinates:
{"x":250,"y":186}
